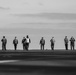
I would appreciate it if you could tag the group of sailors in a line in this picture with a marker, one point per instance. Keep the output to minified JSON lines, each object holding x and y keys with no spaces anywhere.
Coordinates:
{"x":26,"y":41}
{"x":72,"y":43}
{"x":66,"y":42}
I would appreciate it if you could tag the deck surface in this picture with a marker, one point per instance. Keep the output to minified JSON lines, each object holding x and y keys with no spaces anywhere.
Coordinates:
{"x":37,"y":62}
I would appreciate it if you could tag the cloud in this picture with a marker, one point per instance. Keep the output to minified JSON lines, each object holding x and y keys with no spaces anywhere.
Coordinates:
{"x":63,"y":16}
{"x":4,"y":8}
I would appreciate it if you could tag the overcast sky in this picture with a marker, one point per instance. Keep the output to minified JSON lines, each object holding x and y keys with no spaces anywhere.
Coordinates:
{"x":45,"y":18}
{"x":24,"y":6}
{"x":19,"y":13}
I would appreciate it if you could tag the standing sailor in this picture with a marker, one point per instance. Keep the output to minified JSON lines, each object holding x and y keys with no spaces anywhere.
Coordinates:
{"x":52,"y":43}
{"x":4,"y":42}
{"x":28,"y":41}
{"x":72,"y":43}
{"x":24,"y":43}
{"x":42,"y":43}
{"x":15,"y":42}
{"x":66,"y":42}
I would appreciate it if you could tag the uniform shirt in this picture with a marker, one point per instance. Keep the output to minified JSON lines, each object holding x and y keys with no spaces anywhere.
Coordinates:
{"x":72,"y":40}
{"x":4,"y":41}
{"x":42,"y":41}
{"x":66,"y":40}
{"x":24,"y":41}
{"x":15,"y":41}
{"x":28,"y":40}
{"x":52,"y":41}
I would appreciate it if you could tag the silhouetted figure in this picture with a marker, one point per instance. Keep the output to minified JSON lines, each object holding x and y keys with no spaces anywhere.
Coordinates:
{"x":42,"y":43}
{"x":15,"y":42}
{"x":28,"y":41}
{"x":24,"y":43}
{"x":72,"y":43}
{"x":66,"y":42}
{"x":4,"y":42}
{"x":52,"y":43}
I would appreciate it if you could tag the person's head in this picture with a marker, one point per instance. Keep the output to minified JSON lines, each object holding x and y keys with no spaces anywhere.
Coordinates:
{"x":65,"y":36}
{"x":42,"y":37}
{"x":23,"y":37}
{"x":15,"y":37}
{"x":52,"y":37}
{"x":3,"y":36}
{"x":72,"y":37}
{"x":27,"y":36}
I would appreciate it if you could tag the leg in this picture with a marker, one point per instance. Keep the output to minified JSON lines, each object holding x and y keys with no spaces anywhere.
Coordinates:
{"x":65,"y":46}
{"x":73,"y":47}
{"x":27,"y":46}
{"x":43,"y":47}
{"x":53,"y":46}
{"x":15,"y":46}
{"x":4,"y":46}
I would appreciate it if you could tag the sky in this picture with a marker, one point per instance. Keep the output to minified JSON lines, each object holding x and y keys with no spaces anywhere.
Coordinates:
{"x":35,"y":6}
{"x":38,"y":18}
{"x":14,"y":12}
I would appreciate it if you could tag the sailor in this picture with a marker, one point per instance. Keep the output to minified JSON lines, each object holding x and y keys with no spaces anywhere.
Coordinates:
{"x":28,"y":41}
{"x":24,"y":43}
{"x":72,"y":43}
{"x":42,"y":43}
{"x":66,"y":42}
{"x":52,"y":43}
{"x":15,"y":42}
{"x":4,"y":42}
